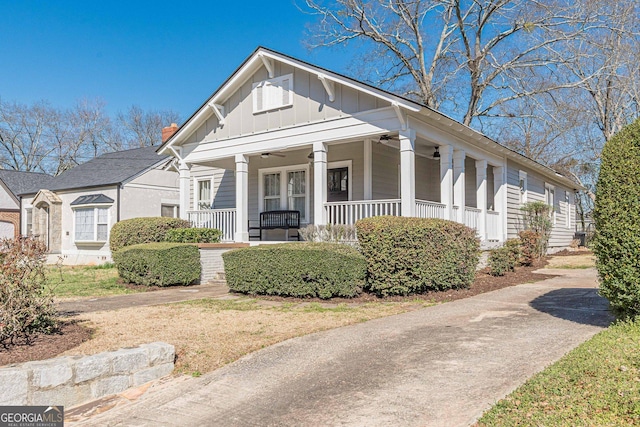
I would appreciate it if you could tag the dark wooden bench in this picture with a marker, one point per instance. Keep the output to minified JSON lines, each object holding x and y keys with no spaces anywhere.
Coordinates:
{"x":279,"y":220}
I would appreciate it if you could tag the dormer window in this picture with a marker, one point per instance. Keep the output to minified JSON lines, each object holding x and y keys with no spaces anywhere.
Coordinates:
{"x":273,"y":93}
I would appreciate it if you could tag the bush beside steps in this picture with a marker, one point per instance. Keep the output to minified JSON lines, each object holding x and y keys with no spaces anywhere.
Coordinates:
{"x":159,"y":264}
{"x":322,"y":270}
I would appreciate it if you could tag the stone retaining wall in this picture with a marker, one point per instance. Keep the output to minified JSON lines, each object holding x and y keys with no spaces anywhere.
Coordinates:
{"x":73,"y":380}
{"x":211,"y":259}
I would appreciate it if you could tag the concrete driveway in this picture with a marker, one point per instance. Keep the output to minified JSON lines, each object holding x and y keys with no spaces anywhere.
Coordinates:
{"x":439,"y":366}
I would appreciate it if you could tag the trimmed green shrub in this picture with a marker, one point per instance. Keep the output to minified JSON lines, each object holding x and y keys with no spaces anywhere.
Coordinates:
{"x":530,"y":246}
{"x":617,"y":219}
{"x":515,"y":251}
{"x":159,"y":264}
{"x":500,"y":261}
{"x":193,"y":235}
{"x":409,"y":255}
{"x":26,"y":303}
{"x":321,"y":270}
{"x":142,"y":230}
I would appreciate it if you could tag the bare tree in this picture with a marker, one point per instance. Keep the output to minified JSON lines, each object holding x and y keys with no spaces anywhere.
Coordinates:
{"x":23,"y":136}
{"x":467,"y":57}
{"x":139,"y":128}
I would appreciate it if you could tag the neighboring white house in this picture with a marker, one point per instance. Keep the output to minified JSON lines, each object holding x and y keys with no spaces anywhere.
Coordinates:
{"x":284,"y":134}
{"x":74,"y":212}
{"x":12,"y":183}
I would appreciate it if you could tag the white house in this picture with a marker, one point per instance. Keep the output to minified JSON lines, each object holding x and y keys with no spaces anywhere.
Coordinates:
{"x":73,"y":213}
{"x":284,"y":134}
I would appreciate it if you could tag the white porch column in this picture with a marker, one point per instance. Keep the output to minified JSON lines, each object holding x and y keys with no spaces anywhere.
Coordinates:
{"x":185,"y":189}
{"x":242,"y":198}
{"x":481,"y":197}
{"x":319,"y":183}
{"x":500,"y":198}
{"x":408,"y":173}
{"x":458,"y":183}
{"x":446,"y":180}
{"x":368,"y":160}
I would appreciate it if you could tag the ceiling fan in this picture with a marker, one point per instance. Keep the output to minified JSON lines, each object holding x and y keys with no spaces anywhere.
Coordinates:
{"x":386,"y":138}
{"x":267,"y":155}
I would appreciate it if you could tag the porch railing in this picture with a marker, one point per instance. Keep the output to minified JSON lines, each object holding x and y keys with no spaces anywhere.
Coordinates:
{"x":471,"y":217}
{"x":493,"y":225}
{"x":222,"y":219}
{"x":426,"y":209}
{"x":348,"y":213}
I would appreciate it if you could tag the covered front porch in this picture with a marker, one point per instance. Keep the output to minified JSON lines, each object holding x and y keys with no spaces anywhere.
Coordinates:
{"x":401,"y":174}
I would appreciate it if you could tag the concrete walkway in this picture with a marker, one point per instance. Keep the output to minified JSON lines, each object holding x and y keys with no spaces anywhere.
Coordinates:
{"x":164,"y":296}
{"x":439,"y":366}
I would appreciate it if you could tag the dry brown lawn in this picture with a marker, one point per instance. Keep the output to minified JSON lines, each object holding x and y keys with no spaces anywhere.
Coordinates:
{"x":586,"y":260}
{"x":208,"y":334}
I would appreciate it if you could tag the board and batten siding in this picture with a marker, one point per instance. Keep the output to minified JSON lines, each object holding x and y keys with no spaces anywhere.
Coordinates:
{"x":563,"y":232}
{"x":310,"y":104}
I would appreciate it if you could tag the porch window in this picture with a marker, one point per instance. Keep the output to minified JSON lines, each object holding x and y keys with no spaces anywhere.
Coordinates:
{"x":91,"y":224}
{"x":203,"y":194}
{"x":338,"y":185}
{"x":272,"y":93}
{"x":296,"y":184}
{"x":284,"y":188}
{"x":271,"y":191}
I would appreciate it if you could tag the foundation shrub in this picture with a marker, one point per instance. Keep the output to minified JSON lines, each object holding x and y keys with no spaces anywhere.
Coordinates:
{"x":411,"y":255}
{"x":617,"y":218}
{"x":193,"y":235}
{"x":159,"y":264}
{"x":142,"y":230}
{"x":515,"y":251}
{"x":500,"y":261}
{"x":531,"y":242}
{"x":322,"y":270}
{"x":26,"y":302}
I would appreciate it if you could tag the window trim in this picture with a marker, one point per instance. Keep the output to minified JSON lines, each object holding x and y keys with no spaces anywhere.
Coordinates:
{"x":344,"y":164}
{"x":283,"y":170}
{"x":524,"y":192}
{"x":175,"y":206}
{"x":196,"y":191}
{"x":273,"y":82}
{"x":28,"y":209}
{"x":95,"y":207}
{"x":567,"y":203}
{"x":548,"y":190}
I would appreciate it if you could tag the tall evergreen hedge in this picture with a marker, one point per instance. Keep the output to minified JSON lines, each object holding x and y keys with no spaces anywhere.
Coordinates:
{"x":617,"y":217}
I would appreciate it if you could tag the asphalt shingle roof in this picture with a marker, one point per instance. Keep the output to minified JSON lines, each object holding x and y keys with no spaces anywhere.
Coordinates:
{"x":19,"y":182}
{"x":107,"y":169}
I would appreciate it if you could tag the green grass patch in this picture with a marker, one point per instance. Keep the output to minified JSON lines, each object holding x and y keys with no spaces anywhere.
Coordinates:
{"x":597,"y":384}
{"x":85,"y":281}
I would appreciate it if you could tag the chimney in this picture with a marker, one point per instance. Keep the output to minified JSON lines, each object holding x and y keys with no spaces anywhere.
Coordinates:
{"x":167,"y":132}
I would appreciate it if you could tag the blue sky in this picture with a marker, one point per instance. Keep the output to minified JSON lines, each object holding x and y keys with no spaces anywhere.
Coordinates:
{"x":159,"y":55}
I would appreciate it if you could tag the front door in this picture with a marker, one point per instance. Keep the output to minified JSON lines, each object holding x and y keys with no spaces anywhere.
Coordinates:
{"x":338,"y":185}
